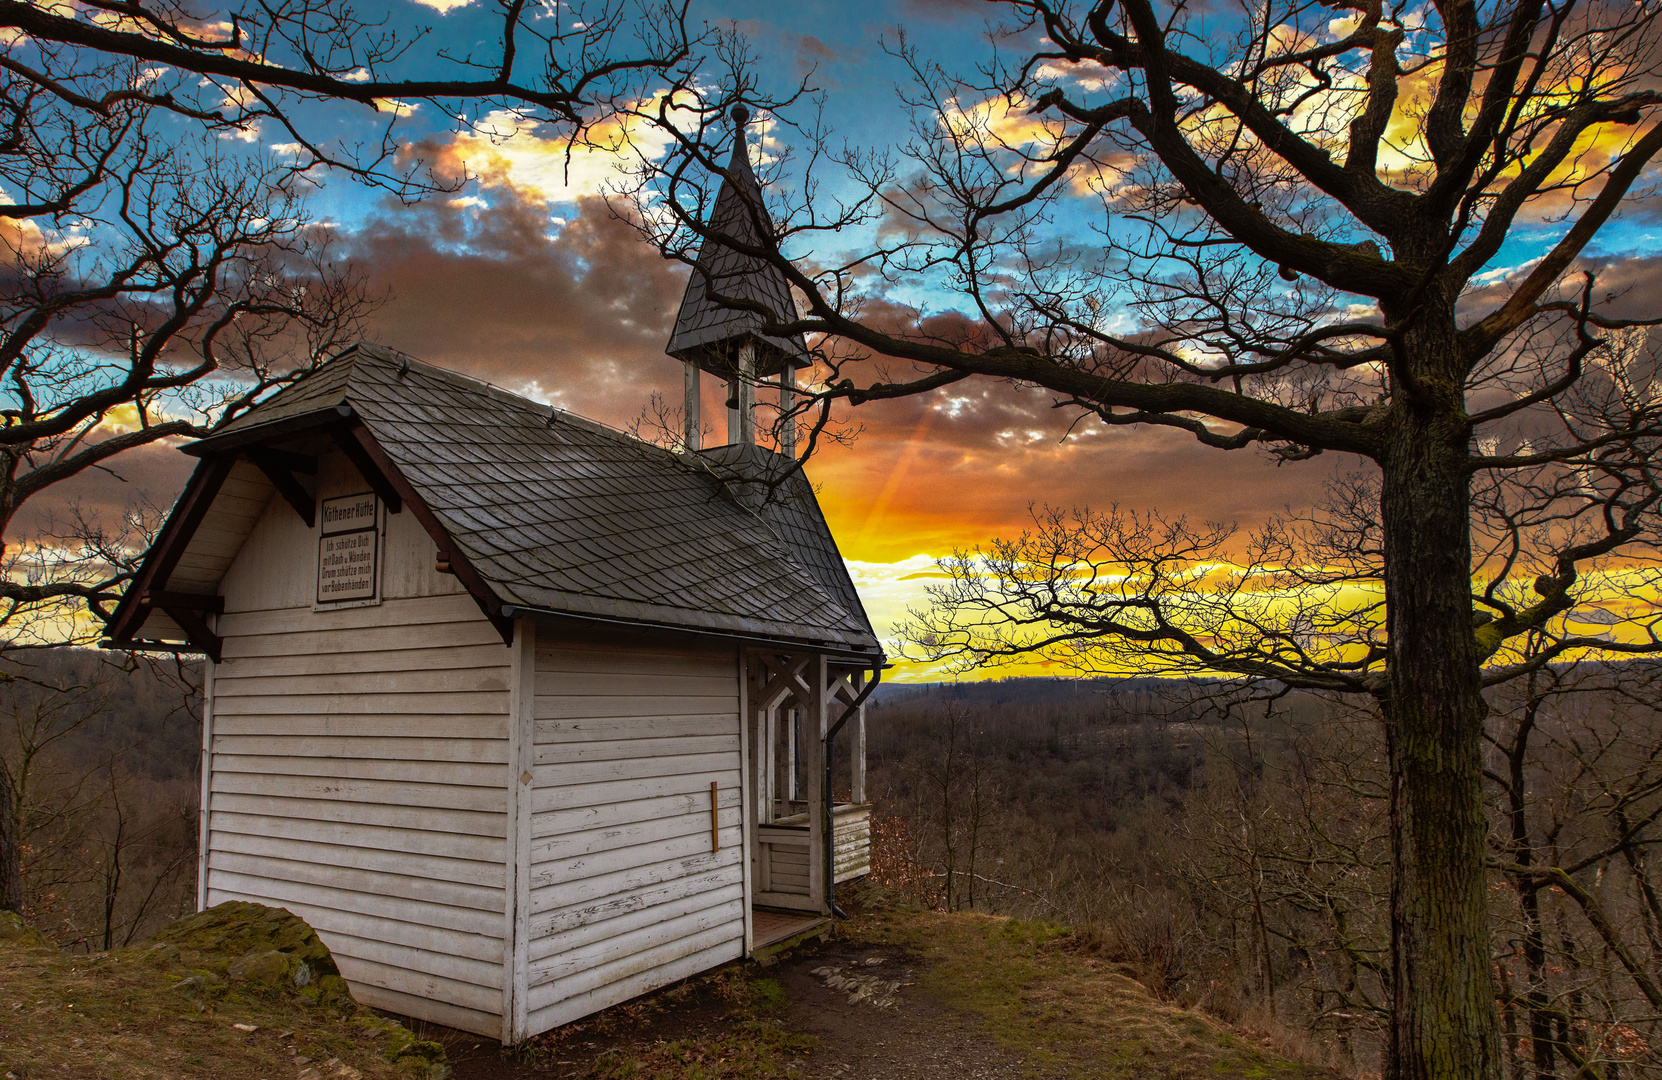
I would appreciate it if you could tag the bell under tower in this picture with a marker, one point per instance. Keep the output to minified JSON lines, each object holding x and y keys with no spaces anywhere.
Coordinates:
{"x":724,"y":340}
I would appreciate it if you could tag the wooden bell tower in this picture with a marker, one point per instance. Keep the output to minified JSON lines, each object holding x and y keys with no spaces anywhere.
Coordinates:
{"x":714,"y":333}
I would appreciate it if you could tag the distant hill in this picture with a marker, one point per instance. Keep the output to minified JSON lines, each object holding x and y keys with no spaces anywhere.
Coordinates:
{"x":147,"y":714}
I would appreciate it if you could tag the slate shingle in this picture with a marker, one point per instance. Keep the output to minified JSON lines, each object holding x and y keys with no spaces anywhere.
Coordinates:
{"x":588,"y":521}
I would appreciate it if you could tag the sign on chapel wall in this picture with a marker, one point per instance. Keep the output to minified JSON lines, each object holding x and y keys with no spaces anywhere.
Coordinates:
{"x":347,"y":553}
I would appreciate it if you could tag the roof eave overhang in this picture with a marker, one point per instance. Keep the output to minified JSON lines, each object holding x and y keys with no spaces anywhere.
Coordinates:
{"x":260,"y":434}
{"x":865,"y":658}
{"x":218,"y":452}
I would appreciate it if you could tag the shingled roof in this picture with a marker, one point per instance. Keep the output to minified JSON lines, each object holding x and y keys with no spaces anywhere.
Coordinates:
{"x":705,"y":329}
{"x":560,"y":515}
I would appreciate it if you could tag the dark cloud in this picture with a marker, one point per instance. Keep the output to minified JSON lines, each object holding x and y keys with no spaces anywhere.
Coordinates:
{"x":148,"y":476}
{"x":584,"y":312}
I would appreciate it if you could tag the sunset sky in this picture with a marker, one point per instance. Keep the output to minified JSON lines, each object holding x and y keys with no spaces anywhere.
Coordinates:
{"x":525,"y":279}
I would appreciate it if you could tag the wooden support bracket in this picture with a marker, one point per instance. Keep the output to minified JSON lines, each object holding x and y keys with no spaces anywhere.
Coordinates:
{"x":188,"y":601}
{"x":196,"y":627}
{"x":280,"y":471}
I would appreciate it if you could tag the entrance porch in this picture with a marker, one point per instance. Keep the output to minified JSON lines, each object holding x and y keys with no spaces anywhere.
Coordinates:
{"x":794,"y":699}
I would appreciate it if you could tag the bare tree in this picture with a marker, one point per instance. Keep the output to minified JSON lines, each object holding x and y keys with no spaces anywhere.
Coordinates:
{"x":1302,"y":204}
{"x":254,"y":67}
{"x":156,"y":281}
{"x":151,"y":288}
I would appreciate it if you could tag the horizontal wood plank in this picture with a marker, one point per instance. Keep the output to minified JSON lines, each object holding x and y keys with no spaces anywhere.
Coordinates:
{"x":714,"y":766}
{"x":481,"y":827}
{"x":570,"y":845}
{"x":609,"y":815}
{"x":366,"y":747}
{"x":436,"y":703}
{"x":565,"y":920}
{"x":423,"y":889}
{"x":412,"y":656}
{"x":562,"y":1009}
{"x":614,"y":859}
{"x":626,"y":749}
{"x":439,"y":678}
{"x":571,"y":965}
{"x":366,"y":725}
{"x":400,"y":793}
{"x":435,"y":856}
{"x":452,"y":930}
{"x":610,"y":729}
{"x":476,"y":1021}
{"x":591,"y":942}
{"x":627,"y":966}
{"x":654,"y":684}
{"x":552,"y":895}
{"x":411,"y":771}
{"x":569,"y":795}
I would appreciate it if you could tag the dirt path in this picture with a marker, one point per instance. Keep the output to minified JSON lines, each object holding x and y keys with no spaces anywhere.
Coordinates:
{"x":865,"y":1016}
{"x":897,"y":996}
{"x":875,"y":1022}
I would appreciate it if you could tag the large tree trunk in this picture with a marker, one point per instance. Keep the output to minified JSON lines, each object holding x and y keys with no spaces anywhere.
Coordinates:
{"x":1445,"y":1023}
{"x":11,"y":853}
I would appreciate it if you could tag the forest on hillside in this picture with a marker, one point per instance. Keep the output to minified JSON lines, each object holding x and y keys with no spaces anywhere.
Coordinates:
{"x":103,"y":753}
{"x":1233,"y":853}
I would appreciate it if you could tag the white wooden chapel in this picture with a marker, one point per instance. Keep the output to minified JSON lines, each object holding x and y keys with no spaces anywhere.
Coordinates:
{"x":523,"y":715}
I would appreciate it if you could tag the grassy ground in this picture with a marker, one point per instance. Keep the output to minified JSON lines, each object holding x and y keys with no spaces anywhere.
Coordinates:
{"x":1067,"y":1012}
{"x":1032,"y":1001}
{"x":229,"y":1000}
{"x":167,"y":1010}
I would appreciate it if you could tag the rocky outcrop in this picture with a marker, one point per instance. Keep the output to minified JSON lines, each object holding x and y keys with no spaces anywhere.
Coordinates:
{"x":253,"y":950}
{"x":256,"y":949}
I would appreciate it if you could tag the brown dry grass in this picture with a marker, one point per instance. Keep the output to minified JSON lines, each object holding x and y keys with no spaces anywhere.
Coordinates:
{"x":1066,"y":1011}
{"x":125,"y":1016}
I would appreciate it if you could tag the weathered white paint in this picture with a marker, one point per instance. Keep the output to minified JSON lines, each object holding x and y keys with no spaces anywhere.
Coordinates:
{"x":500,"y":839}
{"x":521,"y":756}
{"x":205,"y":800}
{"x":851,"y":841}
{"x":819,"y":709}
{"x":747,"y":810}
{"x":625,"y":892}
{"x":361,"y":762}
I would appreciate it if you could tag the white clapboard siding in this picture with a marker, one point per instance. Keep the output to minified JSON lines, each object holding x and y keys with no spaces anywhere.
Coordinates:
{"x":665,"y":949}
{"x":788,"y":868}
{"x":434,"y":874}
{"x":360,"y":768}
{"x":576,"y":1006}
{"x":580,"y":923}
{"x":455,"y":850}
{"x":371,"y":748}
{"x":575,"y":796}
{"x":851,"y":843}
{"x":626,"y":893}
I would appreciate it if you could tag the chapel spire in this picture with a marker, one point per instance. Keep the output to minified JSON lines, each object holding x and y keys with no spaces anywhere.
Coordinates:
{"x":725,"y":340}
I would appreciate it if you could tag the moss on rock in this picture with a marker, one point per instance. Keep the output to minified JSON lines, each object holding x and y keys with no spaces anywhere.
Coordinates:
{"x":401,"y":1047}
{"x":257,"y":949}
{"x":264,"y":951}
